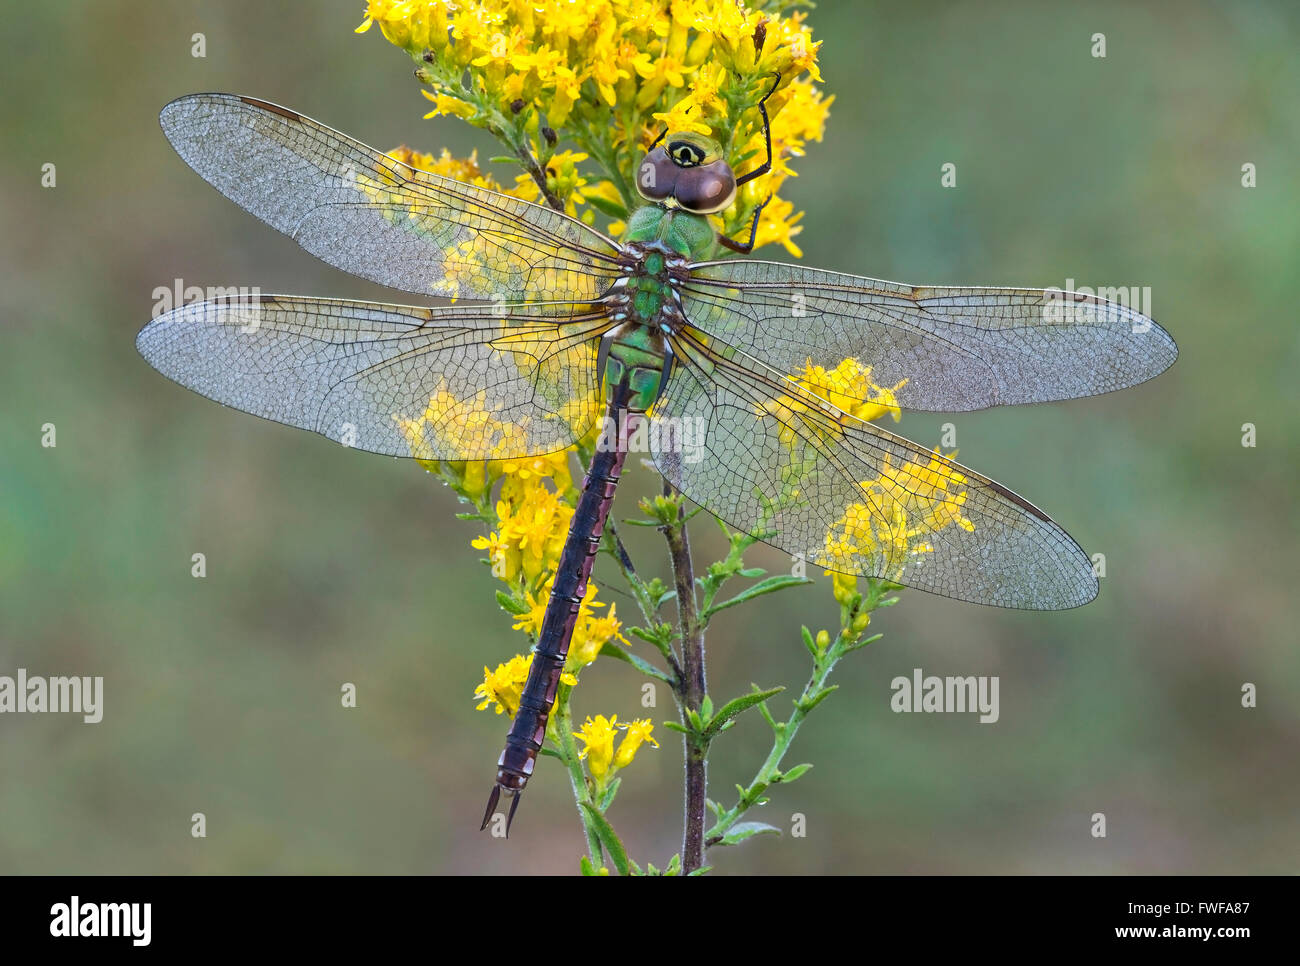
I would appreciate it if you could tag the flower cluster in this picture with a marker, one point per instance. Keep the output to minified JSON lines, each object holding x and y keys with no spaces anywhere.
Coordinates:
{"x":597,"y":735}
{"x":608,"y":76}
{"x":529,"y":524}
{"x":907,"y":503}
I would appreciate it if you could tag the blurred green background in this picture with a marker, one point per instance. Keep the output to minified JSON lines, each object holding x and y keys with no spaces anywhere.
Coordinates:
{"x":324,"y":566}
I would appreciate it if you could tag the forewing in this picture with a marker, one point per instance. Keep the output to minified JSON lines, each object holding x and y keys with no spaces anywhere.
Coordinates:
{"x":459,"y":382}
{"x":374,"y":216}
{"x":958,"y":349}
{"x":772,"y":459}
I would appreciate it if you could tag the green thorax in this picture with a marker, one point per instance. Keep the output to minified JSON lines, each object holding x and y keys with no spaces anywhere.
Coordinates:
{"x":636,"y":351}
{"x":685,"y":233}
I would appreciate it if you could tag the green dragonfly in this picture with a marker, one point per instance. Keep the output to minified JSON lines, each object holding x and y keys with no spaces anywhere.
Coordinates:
{"x":557,"y":330}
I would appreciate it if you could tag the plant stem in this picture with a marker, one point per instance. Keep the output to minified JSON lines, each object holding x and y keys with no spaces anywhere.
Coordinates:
{"x":562,"y":719}
{"x":814,"y":691}
{"x":691,"y":691}
{"x":771,"y":765}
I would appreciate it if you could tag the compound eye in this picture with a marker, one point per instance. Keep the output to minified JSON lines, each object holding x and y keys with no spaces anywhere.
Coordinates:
{"x":657,"y":176}
{"x":706,"y":189}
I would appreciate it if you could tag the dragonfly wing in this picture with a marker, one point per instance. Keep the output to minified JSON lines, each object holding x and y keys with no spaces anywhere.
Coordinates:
{"x":372,"y":215}
{"x":959,"y":349}
{"x":770,"y":458}
{"x":460,"y":382}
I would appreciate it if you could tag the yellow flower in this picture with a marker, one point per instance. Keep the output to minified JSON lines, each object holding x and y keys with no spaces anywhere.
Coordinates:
{"x":537,"y":527}
{"x":909,"y":502}
{"x":503,"y":557}
{"x":638,"y":732}
{"x":597,"y":735}
{"x":562,"y":179}
{"x":444,"y":104}
{"x":849,"y":387}
{"x":844,"y":587}
{"x":694,"y":65}
{"x":465,"y":170}
{"x":521,"y":474}
{"x":591,"y":633}
{"x":679,"y":119}
{"x":530,"y":620}
{"x":504,"y":686}
{"x":933,"y":490}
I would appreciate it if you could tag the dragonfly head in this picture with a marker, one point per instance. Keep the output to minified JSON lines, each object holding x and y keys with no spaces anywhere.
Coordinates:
{"x":689,"y":169}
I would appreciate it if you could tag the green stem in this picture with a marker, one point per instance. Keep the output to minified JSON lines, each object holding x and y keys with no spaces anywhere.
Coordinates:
{"x":769,"y":773}
{"x":562,"y":719}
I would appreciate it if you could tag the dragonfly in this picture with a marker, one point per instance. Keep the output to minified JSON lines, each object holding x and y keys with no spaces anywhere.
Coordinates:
{"x":555,"y":327}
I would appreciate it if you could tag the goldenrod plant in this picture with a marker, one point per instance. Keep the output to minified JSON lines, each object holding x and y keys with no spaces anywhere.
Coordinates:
{"x":577,"y":93}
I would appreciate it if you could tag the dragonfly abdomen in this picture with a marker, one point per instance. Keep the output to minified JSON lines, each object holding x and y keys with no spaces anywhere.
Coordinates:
{"x":528,"y":730}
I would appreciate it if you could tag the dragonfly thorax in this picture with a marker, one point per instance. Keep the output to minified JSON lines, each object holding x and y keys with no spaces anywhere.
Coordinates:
{"x":646,"y":306}
{"x":678,"y":232}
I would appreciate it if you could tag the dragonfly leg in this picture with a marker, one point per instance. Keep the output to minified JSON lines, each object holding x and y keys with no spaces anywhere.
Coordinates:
{"x":745,"y":248}
{"x":766,"y":166}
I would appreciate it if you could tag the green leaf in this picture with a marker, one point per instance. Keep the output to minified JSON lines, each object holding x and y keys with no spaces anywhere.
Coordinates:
{"x":856,"y":645}
{"x":674,"y":726}
{"x":610,"y":649}
{"x":641,"y":523}
{"x":587,"y":868}
{"x":655,"y":635}
{"x":605,"y":832}
{"x":606,"y":206}
{"x":747,"y":830}
{"x":769,"y":586}
{"x":611,"y":791}
{"x":737,"y":705}
{"x":510,"y":605}
{"x":794,"y":774}
{"x":810,"y":643}
{"x":816,"y":699}
{"x":505,"y":159}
